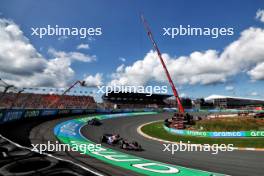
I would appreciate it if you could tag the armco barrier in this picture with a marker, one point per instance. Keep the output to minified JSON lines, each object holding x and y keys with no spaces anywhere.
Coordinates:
{"x":63,"y":111}
{"x":29,"y":113}
{"x":103,"y":110}
{"x":49,"y":112}
{"x":77,"y":111}
{"x":216,"y":134}
{"x":68,"y":132}
{"x":9,"y":115}
{"x":1,"y":114}
{"x":88,"y":111}
{"x":12,"y":115}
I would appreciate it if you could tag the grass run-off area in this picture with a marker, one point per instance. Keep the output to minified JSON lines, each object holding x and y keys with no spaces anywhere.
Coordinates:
{"x":230,"y":124}
{"x":156,"y":130}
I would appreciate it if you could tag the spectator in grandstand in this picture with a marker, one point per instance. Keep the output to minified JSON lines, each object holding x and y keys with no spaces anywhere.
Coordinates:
{"x":30,"y":100}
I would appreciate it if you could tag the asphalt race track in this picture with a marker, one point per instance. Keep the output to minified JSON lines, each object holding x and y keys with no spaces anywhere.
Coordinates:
{"x":242,"y":163}
{"x":43,"y":133}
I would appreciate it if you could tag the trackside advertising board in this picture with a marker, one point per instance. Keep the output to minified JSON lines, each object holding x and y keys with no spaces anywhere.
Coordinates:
{"x":226,"y":134}
{"x":68,"y":132}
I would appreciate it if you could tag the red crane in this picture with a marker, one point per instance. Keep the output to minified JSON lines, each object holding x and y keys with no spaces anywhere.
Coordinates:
{"x":82,"y":83}
{"x":176,"y":95}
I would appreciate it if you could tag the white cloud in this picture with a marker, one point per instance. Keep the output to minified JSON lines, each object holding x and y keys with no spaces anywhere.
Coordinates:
{"x":91,"y":39}
{"x":96,"y":80}
{"x":23,"y":66}
{"x":229,"y":88}
{"x":254,"y":93}
{"x":17,"y":55}
{"x":120,"y":68}
{"x":83,"y":46}
{"x":183,"y":95}
{"x":122,"y":59}
{"x":62,"y":38}
{"x":260,"y":15}
{"x":72,"y":55}
{"x":207,"y":67}
{"x":257,"y":73}
{"x":58,"y":73}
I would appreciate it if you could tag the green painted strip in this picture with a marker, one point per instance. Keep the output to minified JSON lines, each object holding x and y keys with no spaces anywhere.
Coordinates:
{"x":225,"y":134}
{"x":69,"y":133}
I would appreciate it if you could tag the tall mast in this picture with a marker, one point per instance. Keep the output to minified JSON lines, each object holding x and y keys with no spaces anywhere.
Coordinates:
{"x":175,"y":93}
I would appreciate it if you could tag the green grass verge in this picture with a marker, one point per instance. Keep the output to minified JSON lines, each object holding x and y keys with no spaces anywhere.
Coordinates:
{"x":156,"y":130}
{"x":230,"y":124}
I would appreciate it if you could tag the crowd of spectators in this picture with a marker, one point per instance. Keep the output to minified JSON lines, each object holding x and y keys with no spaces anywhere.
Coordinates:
{"x":30,"y":100}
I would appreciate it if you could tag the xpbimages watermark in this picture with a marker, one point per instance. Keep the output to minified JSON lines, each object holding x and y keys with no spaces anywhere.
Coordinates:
{"x":56,"y":30}
{"x":188,"y":30}
{"x":148,"y":90}
{"x":59,"y":147}
{"x":188,"y":147}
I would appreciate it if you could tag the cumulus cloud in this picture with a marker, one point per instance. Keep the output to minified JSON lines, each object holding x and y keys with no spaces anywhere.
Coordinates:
{"x":183,"y":95}
{"x":22,"y":65}
{"x":257,"y":73}
{"x":260,"y":15}
{"x":229,"y":88}
{"x":72,"y":55}
{"x":254,"y":94}
{"x":83,"y":46}
{"x":207,"y":67}
{"x":122,"y":59}
{"x":62,"y":38}
{"x":96,"y":80}
{"x":17,"y":55}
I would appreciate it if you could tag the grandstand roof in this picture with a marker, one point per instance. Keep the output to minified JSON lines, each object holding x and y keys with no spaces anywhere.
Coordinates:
{"x":212,"y":97}
{"x":135,"y":98}
{"x":57,"y":91}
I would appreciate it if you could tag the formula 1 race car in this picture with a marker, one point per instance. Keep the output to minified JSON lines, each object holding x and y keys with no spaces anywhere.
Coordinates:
{"x":124,"y":144}
{"x":95,"y":122}
{"x":111,"y":139}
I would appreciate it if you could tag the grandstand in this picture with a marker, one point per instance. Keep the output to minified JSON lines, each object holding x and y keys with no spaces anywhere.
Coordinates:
{"x":44,"y":97}
{"x":233,"y":102}
{"x":186,"y":102}
{"x":57,"y":91}
{"x":134,"y":100}
{"x":31,"y":100}
{"x":12,"y":97}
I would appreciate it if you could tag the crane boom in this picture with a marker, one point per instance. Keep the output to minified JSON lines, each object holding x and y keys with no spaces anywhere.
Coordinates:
{"x":82,"y":83}
{"x":175,"y":93}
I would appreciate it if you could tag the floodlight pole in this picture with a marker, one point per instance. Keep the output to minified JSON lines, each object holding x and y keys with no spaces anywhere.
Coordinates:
{"x":175,"y":93}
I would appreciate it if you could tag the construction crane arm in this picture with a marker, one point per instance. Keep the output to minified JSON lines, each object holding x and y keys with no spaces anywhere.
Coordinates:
{"x":175,"y":93}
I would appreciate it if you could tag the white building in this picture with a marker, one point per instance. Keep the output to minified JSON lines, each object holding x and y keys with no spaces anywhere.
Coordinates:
{"x":233,"y":102}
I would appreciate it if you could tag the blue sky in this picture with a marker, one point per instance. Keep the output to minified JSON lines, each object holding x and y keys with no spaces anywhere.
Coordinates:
{"x":124,"y":35}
